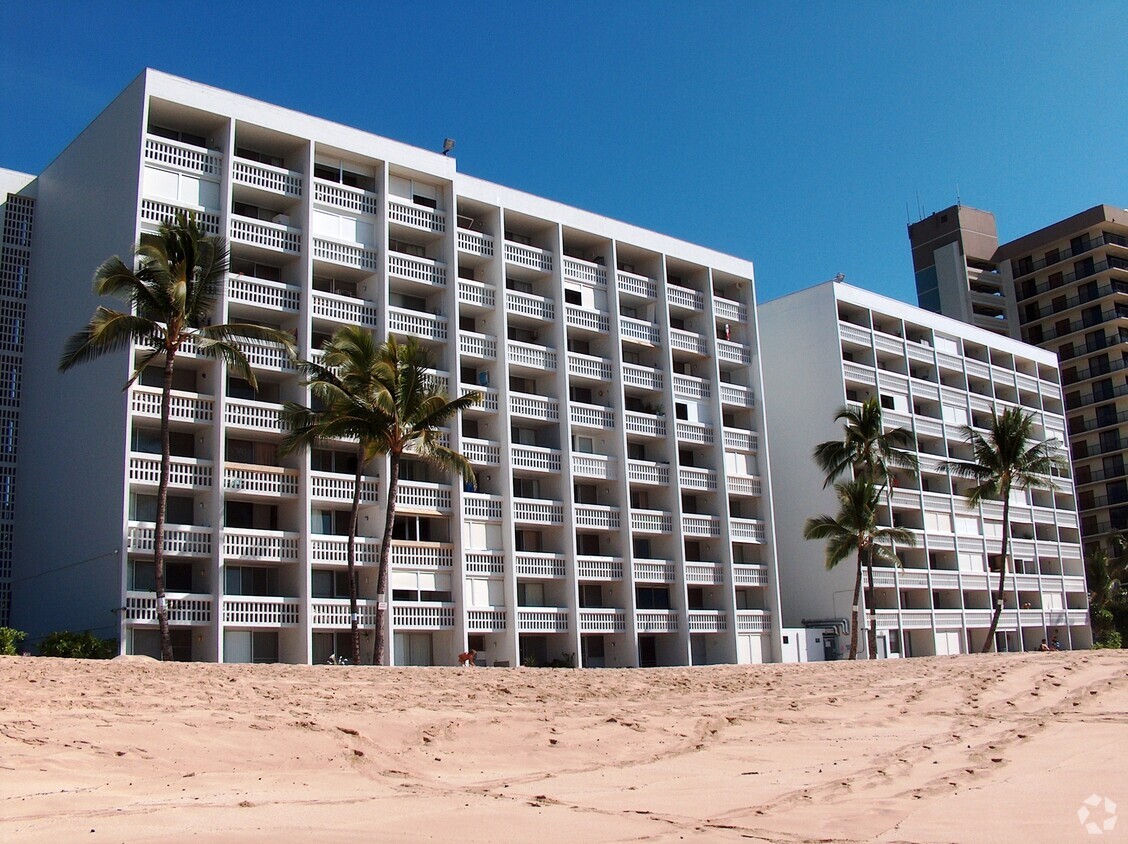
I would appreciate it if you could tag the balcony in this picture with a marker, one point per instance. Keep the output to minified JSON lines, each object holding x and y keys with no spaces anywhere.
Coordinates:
{"x":191,"y":159}
{"x":485,"y":621}
{"x":345,"y":254}
{"x":257,"y":611}
{"x":640,"y":330}
{"x":531,"y":356}
{"x":481,"y":452}
{"x":745,"y":574}
{"x":528,"y":256}
{"x":533,"y":407}
{"x":260,"y":545}
{"x":740,"y":440}
{"x":418,"y":496}
{"x":260,"y":293}
{"x":349,"y":198}
{"x":645,"y":424}
{"x":535,"y":458}
{"x":598,"y":466}
{"x":538,"y":564}
{"x":416,"y":324}
{"x":476,"y":294}
{"x":477,"y":505}
{"x":636,"y":285}
{"x":253,"y":415}
{"x":538,"y":511}
{"x":707,"y":621}
{"x":416,"y":216}
{"x":596,"y":516}
{"x":656,"y":621}
{"x":704,"y":574}
{"x":698,"y":479}
{"x":691,"y":387}
{"x":747,"y":530}
{"x":695,"y":524}
{"x":648,"y":472}
{"x":859,"y":374}
{"x":694,"y":432}
{"x":687,"y":341}
{"x":485,"y":562}
{"x":602,"y":621}
{"x":585,"y":272}
{"x":654,"y":571}
{"x":344,"y":309}
{"x":684,"y":297}
{"x":333,"y":613}
{"x":482,"y":346}
{"x":330,"y":486}
{"x":589,"y":366}
{"x":749,"y":485}
{"x":419,"y":616}
{"x":262,"y":480}
{"x":526,"y":304}
{"x":183,"y":608}
{"x":753,"y":621}
{"x":154,"y":213}
{"x":183,"y":472}
{"x":738,"y":396}
{"x":409,"y":554}
{"x":587,"y":319}
{"x":179,"y":540}
{"x":651,"y":521}
{"x":599,"y":568}
{"x":334,"y":550}
{"x":733,"y":352}
{"x":475,"y":243}
{"x":272,"y":236}
{"x":276,"y":180}
{"x":421,"y":270}
{"x":646,"y":377}
{"x":591,"y":416}
{"x":542,"y":619}
{"x":732,"y":311}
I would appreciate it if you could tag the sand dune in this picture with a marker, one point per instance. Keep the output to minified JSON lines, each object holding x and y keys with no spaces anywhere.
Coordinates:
{"x":976,"y":749}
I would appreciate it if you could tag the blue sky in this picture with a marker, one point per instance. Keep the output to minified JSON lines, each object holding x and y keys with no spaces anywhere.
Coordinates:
{"x":801,"y":136}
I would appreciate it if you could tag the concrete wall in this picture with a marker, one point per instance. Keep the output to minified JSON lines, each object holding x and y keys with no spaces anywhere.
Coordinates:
{"x":72,"y":456}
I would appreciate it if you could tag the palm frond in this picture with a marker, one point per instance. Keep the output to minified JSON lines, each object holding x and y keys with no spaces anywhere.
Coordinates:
{"x":108,"y":331}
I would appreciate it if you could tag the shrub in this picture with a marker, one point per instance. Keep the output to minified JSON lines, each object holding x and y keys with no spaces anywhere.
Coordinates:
{"x":10,"y":640}
{"x":1111,"y":639}
{"x":86,"y":645}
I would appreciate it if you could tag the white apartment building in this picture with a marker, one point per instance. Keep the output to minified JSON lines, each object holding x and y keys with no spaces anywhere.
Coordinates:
{"x":622,"y":515}
{"x":834,"y":344}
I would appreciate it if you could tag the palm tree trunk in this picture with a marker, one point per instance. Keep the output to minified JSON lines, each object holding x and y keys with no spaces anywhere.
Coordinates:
{"x":382,"y":602}
{"x":857,"y":617}
{"x":870,"y":607}
{"x":989,"y":645}
{"x":162,"y":505}
{"x":354,"y":612}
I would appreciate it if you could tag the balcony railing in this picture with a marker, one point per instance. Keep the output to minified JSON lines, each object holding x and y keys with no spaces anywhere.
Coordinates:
{"x":270,"y":235}
{"x":636,"y":285}
{"x":691,"y":387}
{"x":183,"y":156}
{"x":733,"y":352}
{"x":687,"y":341}
{"x":700,"y":479}
{"x":684,"y":297}
{"x":476,"y":293}
{"x":481,"y":506}
{"x":654,"y":571}
{"x":485,"y":621}
{"x":183,"y":472}
{"x":531,"y":355}
{"x":265,"y":177}
{"x":409,"y":554}
{"x":602,"y":621}
{"x":485,"y":562}
{"x":599,"y":568}
{"x":475,"y":243}
{"x":732,"y":311}
{"x":183,"y":607}
{"x":179,"y":540}
{"x":422,"y":616}
{"x":749,"y":574}
{"x":542,"y":619}
{"x":268,"y":480}
{"x":656,"y":621}
{"x":536,"y":458}
{"x":753,"y":621}
{"x":477,"y":345}
{"x":747,"y":530}
{"x":422,"y":270}
{"x":528,"y":256}
{"x":345,"y":309}
{"x":708,"y":574}
{"x":537,"y":564}
{"x":538,"y":511}
{"x":334,"y":613}
{"x":651,"y":521}
{"x":345,"y":254}
{"x":740,"y":440}
{"x":330,"y":549}
{"x":597,"y":466}
{"x":416,"y":216}
{"x":481,"y":452}
{"x":694,"y":524}
{"x":155,"y":212}
{"x":185,"y":407}
{"x":648,"y":472}
{"x":247,"y":544}
{"x":256,"y":611}
{"x":257,"y":415}
{"x":645,"y":423}
{"x":694,"y":432}
{"x":527,"y":304}
{"x":261,"y":293}
{"x":707,"y":621}
{"x":745,"y":485}
{"x":646,"y":377}
{"x":637,"y":329}
{"x":587,"y":319}
{"x":597,"y":516}
{"x":533,"y":407}
{"x":344,"y":196}
{"x":416,"y":324}
{"x":331,"y":486}
{"x":586,"y":272}
{"x":589,"y":366}
{"x":592,"y":415}
{"x":416,"y":495}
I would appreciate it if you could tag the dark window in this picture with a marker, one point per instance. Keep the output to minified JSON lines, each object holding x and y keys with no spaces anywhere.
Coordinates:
{"x":652,"y":597}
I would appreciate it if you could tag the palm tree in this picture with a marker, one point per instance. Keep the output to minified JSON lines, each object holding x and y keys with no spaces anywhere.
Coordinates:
{"x":173,"y":291}
{"x":870,"y":452}
{"x":1008,"y":458}
{"x":385,"y":397}
{"x":855,"y":531}
{"x":1105,"y":577}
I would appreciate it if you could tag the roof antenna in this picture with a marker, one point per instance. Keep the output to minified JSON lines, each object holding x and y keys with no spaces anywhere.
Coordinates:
{"x":957,"y":193}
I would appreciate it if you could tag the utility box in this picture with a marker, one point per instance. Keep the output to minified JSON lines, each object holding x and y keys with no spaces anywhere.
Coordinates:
{"x":805,"y":644}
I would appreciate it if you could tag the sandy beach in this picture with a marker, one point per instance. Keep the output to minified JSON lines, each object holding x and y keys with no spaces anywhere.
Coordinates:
{"x":978,"y":748}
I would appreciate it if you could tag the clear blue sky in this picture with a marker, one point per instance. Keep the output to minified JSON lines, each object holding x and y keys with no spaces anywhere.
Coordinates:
{"x":797,"y":135}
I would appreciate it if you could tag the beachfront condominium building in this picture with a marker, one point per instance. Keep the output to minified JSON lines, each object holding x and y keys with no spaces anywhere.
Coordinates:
{"x":932,"y":375}
{"x":622,"y":511}
{"x":1065,"y":288}
{"x":15,"y":260}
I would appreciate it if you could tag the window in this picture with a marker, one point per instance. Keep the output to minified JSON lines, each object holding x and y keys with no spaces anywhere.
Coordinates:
{"x":526,"y":488}
{"x":143,"y":576}
{"x":587,"y":544}
{"x":249,"y":451}
{"x":695,"y":598}
{"x":329,"y":583}
{"x":583,"y":445}
{"x":178,"y":135}
{"x":179,"y":509}
{"x":244,"y":514}
{"x":530,"y":594}
{"x":528,"y":540}
{"x":573,"y":297}
{"x":261,"y":157}
{"x":338,"y":462}
{"x":591,"y":595}
{"x":586,"y":494}
{"x":407,"y":248}
{"x":148,"y":441}
{"x":250,"y":580}
{"x":652,"y":597}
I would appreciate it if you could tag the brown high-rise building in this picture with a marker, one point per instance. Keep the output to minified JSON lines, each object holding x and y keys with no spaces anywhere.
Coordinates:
{"x":1064,"y":288}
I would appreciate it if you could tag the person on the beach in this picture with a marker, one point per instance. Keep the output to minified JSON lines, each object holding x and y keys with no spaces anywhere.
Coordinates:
{"x":1044,"y":647}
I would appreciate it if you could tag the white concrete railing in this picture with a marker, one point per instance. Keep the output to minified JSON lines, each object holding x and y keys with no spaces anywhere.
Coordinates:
{"x":730,"y":310}
{"x":637,"y":329}
{"x":422,"y":270}
{"x":183,"y":472}
{"x":481,"y":452}
{"x":416,"y":495}
{"x":528,"y":256}
{"x":334,"y":613}
{"x":330,"y":549}
{"x":247,"y":544}
{"x":407,"y":553}
{"x":644,"y":423}
{"x":260,"y":611}
{"x":691,"y":387}
{"x":346,"y":254}
{"x":747,"y":530}
{"x":477,"y":345}
{"x":179,"y":540}
{"x":687,"y":341}
{"x":602,"y":621}
{"x":476,"y":293}
{"x":740,"y":440}
{"x":422,"y":616}
{"x":646,"y":377}
{"x":753,"y":621}
{"x":589,"y":366}
{"x":183,"y":607}
{"x":417,"y":216}
{"x":749,"y":574}
{"x":538,"y":511}
{"x":331,"y":486}
{"x":531,"y":355}
{"x":535,"y":457}
{"x":656,"y":621}
{"x":542,"y":620}
{"x":648,"y":472}
{"x":733,"y":352}
{"x":587,"y":319}
{"x":416,"y":324}
{"x":694,"y":524}
{"x":484,"y":562}
{"x":346,"y":309}
{"x":188,"y":157}
{"x":591,"y":415}
{"x":485,"y":621}
{"x":533,"y":407}
{"x":636,"y":285}
{"x":587,"y":272}
{"x":269,"y":480}
{"x":155,"y":212}
{"x":703,"y":573}
{"x":345,"y":196}
{"x":476,"y":505}
{"x":258,"y":415}
{"x":597,"y":516}
{"x":537,"y":564}
{"x":527,"y":304}
{"x":599,"y":568}
{"x":684,"y":297}
{"x":745,"y":485}
{"x":651,"y":521}
{"x":702,"y":479}
{"x":475,"y":243}
{"x":269,"y":235}
{"x":694,"y":432}
{"x":707,"y":621}
{"x":597,"y":466}
{"x":262,"y":293}
{"x":266,"y":177}
{"x":654,"y":571}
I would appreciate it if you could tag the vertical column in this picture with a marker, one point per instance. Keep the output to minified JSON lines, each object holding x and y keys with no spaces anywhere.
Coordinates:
{"x":302,"y":395}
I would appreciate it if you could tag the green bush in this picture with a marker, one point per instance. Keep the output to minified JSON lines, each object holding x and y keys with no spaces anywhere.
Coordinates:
{"x":84,"y":645}
{"x":1111,"y":639}
{"x":10,"y":640}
